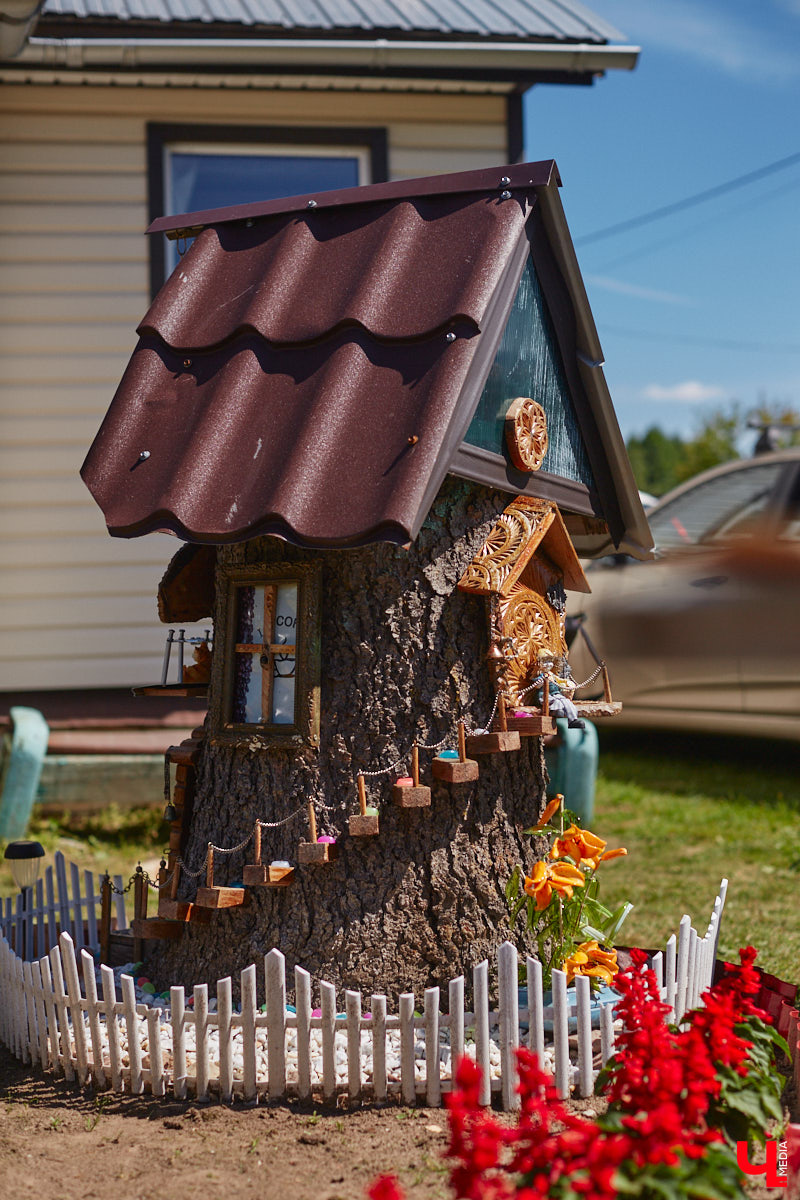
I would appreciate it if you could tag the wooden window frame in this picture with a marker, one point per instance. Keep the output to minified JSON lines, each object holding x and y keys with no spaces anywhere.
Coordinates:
{"x":372,"y":139}
{"x":260,"y":735}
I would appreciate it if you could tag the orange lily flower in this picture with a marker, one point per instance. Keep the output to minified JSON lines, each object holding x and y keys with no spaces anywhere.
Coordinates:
{"x":609,"y":854}
{"x":589,"y":959}
{"x":552,"y":807}
{"x":582,"y":846}
{"x":546,"y":879}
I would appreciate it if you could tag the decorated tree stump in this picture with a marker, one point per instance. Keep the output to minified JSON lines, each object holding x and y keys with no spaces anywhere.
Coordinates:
{"x":414,"y":896}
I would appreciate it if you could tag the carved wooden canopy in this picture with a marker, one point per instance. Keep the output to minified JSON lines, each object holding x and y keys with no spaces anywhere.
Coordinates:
{"x":527,"y":525}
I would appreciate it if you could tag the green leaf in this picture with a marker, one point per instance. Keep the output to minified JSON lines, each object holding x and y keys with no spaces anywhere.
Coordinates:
{"x":617,"y":920}
{"x":512,"y":887}
{"x":589,"y":931}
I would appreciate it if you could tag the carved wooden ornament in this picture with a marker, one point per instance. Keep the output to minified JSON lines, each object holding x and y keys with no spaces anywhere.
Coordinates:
{"x":526,"y":560}
{"x":526,"y":433}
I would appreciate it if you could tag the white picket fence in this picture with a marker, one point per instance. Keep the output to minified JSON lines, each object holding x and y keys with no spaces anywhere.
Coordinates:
{"x":47,"y":1018}
{"x":33,"y":921}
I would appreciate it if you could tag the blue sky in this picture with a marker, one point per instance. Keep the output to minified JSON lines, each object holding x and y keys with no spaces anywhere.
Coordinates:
{"x":704,"y":306}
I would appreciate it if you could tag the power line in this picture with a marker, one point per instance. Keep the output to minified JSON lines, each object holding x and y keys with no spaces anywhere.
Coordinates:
{"x":690,"y":339}
{"x":666,"y":210}
{"x":670,"y":239}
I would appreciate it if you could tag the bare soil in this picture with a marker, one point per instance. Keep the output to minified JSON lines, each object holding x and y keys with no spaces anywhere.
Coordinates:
{"x":61,"y":1142}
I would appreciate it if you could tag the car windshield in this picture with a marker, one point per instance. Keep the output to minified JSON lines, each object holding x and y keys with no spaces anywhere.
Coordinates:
{"x":725,"y":507}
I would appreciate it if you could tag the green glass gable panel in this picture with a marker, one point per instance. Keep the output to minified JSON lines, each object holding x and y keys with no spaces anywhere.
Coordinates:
{"x":528,"y":363}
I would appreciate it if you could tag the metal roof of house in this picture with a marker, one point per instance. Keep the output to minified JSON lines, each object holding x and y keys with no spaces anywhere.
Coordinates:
{"x":311,"y":367}
{"x":553,"y":20}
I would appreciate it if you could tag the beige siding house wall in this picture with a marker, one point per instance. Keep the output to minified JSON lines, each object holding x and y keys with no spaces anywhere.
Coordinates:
{"x":77,"y":608}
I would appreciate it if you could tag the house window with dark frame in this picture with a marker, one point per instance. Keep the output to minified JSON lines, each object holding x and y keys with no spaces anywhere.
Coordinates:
{"x":194,"y":168}
{"x":270,"y":665}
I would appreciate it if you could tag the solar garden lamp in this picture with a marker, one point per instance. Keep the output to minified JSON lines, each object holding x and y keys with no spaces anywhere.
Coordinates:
{"x":24,"y":858}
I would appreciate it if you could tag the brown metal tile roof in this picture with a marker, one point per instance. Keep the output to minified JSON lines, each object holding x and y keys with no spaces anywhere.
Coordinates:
{"x":310,"y":371}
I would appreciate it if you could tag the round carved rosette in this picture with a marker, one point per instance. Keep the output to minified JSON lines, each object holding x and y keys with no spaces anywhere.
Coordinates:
{"x":526,"y":433}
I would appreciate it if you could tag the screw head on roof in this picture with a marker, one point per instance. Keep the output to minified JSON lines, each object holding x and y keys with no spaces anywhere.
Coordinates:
{"x":143,"y":454}
{"x":311,"y":204}
{"x":505,"y":195}
{"x":450,"y":337}
{"x":505,"y":181}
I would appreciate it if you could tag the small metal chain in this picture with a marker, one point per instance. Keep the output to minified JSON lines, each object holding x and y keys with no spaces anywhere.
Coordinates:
{"x":385,"y":771}
{"x":488,"y":724}
{"x":123,"y":891}
{"x":231,"y":849}
{"x":286,"y":820}
{"x":531,"y":686}
{"x":434,"y":745}
{"x":158,"y":887}
{"x":591,"y":678}
{"x":188,"y":871}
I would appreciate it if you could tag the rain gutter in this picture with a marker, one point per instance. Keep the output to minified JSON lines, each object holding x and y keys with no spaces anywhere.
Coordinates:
{"x":379,"y":54}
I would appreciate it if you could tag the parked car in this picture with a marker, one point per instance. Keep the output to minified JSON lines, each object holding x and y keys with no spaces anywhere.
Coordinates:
{"x":705,"y":636}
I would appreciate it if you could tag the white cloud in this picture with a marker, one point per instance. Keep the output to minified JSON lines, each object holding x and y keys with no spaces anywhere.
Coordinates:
{"x":691,"y":391}
{"x":713,"y":33}
{"x":607,"y":284}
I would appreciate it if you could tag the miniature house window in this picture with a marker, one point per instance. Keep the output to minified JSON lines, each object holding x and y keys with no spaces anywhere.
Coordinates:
{"x":270,"y":662}
{"x":194,"y":168}
{"x":265,"y":654}
{"x":528,"y":363}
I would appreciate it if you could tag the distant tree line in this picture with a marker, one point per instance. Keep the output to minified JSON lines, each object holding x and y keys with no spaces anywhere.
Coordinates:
{"x":661,"y":461}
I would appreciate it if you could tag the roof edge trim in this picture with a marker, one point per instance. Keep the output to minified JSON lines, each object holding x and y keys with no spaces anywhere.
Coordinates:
{"x":270,"y":526}
{"x":514,"y":176}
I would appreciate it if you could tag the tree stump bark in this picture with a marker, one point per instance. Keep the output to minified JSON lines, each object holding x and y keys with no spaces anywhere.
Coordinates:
{"x":403,"y":657}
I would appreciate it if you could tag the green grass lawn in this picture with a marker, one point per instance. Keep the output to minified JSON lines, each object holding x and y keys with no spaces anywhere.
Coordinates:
{"x":111,"y":839}
{"x":694,"y":809}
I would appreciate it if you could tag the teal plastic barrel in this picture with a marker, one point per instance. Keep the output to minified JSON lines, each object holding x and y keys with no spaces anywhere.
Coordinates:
{"x":29,"y":736}
{"x":572,"y":767}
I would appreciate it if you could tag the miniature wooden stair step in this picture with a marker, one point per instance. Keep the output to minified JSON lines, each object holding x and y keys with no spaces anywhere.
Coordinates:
{"x":454,"y":766}
{"x":595,"y":710}
{"x":366,"y":824}
{"x":215,"y":897}
{"x":495,"y":741}
{"x":408,"y":792}
{"x":316,"y":850}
